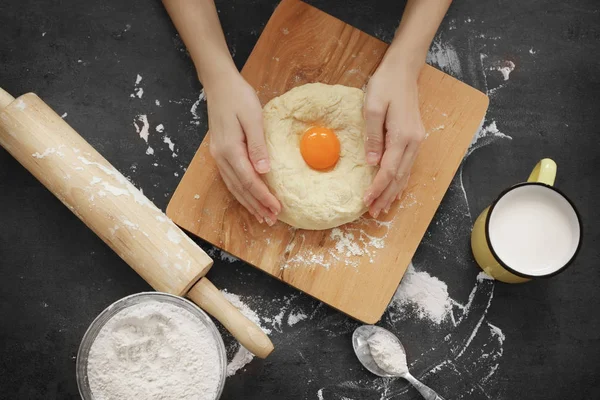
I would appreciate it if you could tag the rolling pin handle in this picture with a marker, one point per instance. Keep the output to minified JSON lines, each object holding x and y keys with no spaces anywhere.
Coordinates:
{"x":210,"y":299}
{"x":5,"y":99}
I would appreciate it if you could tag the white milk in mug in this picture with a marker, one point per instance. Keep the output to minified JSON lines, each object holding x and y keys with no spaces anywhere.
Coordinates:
{"x":532,"y":230}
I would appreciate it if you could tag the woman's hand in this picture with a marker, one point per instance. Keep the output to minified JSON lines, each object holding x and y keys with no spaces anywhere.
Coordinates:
{"x":394,"y":130}
{"x":237,"y":143}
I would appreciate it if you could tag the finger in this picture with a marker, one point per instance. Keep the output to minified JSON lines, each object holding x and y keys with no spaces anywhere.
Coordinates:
{"x":262,"y":212}
{"x":408,"y":159}
{"x":251,"y":183}
{"x":228,"y":177}
{"x":389,"y":168}
{"x":374,"y":112}
{"x":401,"y":192}
{"x":413,"y":152}
{"x":383,"y":202}
{"x":394,"y":191}
{"x":244,"y":189}
{"x":252,"y":124}
{"x":404,"y":171}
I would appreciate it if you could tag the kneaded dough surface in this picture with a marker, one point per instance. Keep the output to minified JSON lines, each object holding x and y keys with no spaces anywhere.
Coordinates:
{"x":317,"y":199}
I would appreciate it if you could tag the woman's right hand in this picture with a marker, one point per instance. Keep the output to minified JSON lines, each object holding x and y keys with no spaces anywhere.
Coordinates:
{"x":237,"y":143}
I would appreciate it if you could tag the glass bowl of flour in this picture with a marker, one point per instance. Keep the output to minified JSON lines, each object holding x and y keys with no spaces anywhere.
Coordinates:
{"x":151,"y":345}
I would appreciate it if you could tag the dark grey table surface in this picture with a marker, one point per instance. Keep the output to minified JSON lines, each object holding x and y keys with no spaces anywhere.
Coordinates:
{"x":535,"y":341}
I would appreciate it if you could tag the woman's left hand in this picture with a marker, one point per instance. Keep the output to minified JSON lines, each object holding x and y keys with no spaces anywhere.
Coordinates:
{"x":394,"y":130}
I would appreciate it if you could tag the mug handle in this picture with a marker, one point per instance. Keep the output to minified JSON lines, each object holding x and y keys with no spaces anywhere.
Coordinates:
{"x":544,"y":172}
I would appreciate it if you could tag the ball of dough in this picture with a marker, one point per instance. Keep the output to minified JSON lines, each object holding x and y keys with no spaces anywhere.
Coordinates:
{"x":313,"y":199}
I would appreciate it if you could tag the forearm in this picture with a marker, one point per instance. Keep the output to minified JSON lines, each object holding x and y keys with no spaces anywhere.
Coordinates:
{"x":198,"y":25}
{"x":419,"y":24}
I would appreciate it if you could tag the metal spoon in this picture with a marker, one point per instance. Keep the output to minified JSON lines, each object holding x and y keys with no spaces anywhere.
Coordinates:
{"x":363,"y":352}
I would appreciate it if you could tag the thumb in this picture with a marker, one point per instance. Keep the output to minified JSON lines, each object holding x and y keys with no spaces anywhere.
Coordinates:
{"x":374,"y":142}
{"x":255,"y":140}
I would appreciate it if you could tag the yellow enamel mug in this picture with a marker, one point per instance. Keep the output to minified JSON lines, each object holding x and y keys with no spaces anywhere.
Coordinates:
{"x":532,"y":230}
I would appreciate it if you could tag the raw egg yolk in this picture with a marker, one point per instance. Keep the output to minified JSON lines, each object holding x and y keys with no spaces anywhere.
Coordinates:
{"x":320,"y":148}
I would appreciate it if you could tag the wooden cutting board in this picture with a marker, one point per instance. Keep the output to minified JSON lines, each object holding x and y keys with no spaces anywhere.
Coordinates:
{"x":355,"y":268}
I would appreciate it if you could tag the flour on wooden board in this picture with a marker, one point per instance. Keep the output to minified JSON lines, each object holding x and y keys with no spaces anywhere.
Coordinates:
{"x":349,"y":244}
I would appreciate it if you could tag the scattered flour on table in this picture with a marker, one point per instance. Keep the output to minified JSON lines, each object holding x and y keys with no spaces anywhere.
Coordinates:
{"x":154,"y":350}
{"x":142,"y":127}
{"x":320,"y":394}
{"x":194,"y":110}
{"x":505,"y":68}
{"x":222,"y":255}
{"x":486,"y":134}
{"x":424,"y":294}
{"x":137,"y":90}
{"x":274,"y":320}
{"x":490,"y":130}
{"x":167,"y":140}
{"x":444,"y":56}
{"x":294,"y":318}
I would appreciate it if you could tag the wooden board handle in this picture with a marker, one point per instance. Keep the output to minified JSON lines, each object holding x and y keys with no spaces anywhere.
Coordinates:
{"x":209,"y":298}
{"x":100,"y":196}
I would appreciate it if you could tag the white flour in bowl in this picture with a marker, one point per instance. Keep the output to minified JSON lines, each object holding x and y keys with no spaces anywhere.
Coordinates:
{"x":154,"y":350}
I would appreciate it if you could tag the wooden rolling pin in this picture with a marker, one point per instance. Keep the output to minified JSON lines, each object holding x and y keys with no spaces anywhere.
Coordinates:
{"x":117,"y":211}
